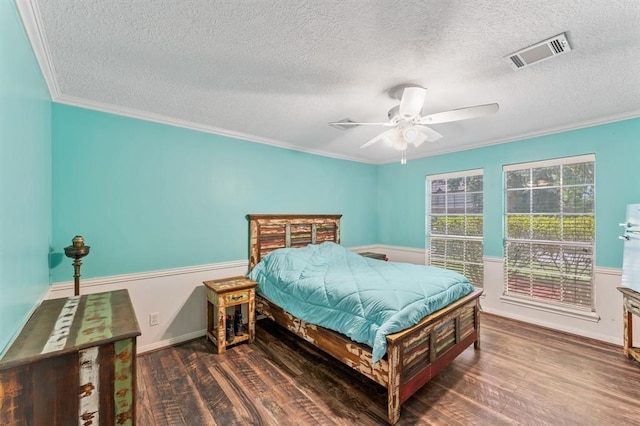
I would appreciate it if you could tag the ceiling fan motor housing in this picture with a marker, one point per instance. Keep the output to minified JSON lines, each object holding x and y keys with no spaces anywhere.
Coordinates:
{"x":394,"y":114}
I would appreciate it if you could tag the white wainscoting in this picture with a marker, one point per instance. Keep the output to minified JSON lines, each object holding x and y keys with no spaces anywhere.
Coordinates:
{"x":178,"y":296}
{"x":608,"y":328}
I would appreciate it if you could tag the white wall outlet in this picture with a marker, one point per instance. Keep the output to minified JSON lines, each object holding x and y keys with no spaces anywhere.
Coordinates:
{"x":154,"y":318}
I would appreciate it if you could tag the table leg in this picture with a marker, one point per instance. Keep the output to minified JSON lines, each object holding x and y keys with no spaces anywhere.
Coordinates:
{"x":222,"y":326}
{"x":628,"y":333}
{"x":252,"y":316}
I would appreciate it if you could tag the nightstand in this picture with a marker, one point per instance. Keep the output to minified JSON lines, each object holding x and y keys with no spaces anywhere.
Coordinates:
{"x":226,"y":297}
{"x":379,"y":256}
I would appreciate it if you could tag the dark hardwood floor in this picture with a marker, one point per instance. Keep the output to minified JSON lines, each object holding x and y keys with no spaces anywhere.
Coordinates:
{"x":522,"y":374}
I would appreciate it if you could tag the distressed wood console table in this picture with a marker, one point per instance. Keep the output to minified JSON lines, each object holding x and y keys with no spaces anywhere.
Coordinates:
{"x":73,"y":363}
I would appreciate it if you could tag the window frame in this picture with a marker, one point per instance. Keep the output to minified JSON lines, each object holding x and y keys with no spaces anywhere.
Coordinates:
{"x":448,"y":237}
{"x":549,"y":304}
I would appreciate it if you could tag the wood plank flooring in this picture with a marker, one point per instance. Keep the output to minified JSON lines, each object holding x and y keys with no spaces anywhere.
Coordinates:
{"x":523,"y":374}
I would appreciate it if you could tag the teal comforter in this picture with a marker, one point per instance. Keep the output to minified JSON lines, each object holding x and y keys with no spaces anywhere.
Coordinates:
{"x":363,"y":298}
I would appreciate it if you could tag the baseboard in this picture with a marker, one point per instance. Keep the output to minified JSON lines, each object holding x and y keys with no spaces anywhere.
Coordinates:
{"x":555,"y":326}
{"x":171,"y":342}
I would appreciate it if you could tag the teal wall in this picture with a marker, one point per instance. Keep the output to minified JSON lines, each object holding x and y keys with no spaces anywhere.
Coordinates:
{"x":148,"y":196}
{"x":401,"y":189}
{"x":25,"y":176}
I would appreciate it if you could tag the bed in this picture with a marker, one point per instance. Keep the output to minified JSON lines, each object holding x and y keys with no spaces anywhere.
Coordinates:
{"x":413,"y":355}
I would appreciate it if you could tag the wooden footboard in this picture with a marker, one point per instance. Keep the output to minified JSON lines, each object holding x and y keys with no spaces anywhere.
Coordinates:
{"x":420,"y":352}
{"x":414,"y":355}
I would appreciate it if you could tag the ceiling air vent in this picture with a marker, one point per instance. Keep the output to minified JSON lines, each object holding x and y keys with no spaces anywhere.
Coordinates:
{"x":539,"y":52}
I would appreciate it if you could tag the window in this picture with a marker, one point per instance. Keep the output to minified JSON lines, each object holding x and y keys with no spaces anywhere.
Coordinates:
{"x":455,"y":222}
{"x":550,"y":231}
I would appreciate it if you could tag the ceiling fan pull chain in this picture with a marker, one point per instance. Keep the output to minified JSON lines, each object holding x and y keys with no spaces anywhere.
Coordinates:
{"x":403,"y":159}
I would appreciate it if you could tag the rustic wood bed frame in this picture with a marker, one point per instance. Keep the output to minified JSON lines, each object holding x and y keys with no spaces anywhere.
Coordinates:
{"x":414,"y":355}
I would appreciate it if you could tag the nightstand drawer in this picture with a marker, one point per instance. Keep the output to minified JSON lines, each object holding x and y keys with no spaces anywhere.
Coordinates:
{"x":239,"y":296}
{"x":632,"y":305}
{"x":229,"y":298}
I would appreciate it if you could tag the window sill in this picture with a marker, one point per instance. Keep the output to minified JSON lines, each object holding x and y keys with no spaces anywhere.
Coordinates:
{"x":554,"y":309}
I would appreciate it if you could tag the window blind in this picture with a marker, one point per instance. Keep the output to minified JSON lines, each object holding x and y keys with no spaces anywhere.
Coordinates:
{"x":455,"y":223}
{"x":550,"y":230}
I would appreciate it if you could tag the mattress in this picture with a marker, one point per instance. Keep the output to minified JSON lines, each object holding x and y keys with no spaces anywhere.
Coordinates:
{"x":363,"y":298}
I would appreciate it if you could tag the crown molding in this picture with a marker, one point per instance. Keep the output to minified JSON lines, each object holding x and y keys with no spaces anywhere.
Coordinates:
{"x":32,"y":21}
{"x":530,"y":135}
{"x":177,"y":122}
{"x":161,"y":119}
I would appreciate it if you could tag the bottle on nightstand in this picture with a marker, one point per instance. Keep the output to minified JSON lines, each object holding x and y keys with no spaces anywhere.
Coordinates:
{"x":229,"y":330}
{"x":237,"y":323}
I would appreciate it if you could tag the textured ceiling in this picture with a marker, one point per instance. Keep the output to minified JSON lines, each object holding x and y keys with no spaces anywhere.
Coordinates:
{"x":278,"y":71}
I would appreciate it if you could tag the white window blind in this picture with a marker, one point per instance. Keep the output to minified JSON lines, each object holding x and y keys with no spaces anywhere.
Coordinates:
{"x":455,"y":223}
{"x":550,"y":230}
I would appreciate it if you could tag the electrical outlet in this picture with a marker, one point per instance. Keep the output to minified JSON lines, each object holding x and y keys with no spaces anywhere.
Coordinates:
{"x":154,"y":318}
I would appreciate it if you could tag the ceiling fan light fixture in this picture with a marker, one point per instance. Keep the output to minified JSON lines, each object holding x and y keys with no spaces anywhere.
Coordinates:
{"x":410,"y":134}
{"x":414,"y":135}
{"x":398,"y":142}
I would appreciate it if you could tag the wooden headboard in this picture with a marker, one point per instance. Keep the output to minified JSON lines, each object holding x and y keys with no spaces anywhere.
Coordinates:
{"x":268,"y":232}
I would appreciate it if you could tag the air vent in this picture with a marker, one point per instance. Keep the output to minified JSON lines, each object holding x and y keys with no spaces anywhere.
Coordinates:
{"x":539,"y":52}
{"x":341,"y":127}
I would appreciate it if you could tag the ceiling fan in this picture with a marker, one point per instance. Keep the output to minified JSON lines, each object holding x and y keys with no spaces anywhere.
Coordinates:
{"x":409,"y":126}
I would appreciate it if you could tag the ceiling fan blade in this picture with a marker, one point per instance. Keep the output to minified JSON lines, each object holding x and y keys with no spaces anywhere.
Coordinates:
{"x":430,"y":134}
{"x":353,"y":123}
{"x":412,"y":101}
{"x":460,"y":114}
{"x":385,"y":136}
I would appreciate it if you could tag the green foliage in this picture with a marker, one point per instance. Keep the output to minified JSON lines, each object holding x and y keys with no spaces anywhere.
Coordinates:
{"x":544,"y":227}
{"x":455,"y":225}
{"x":554,"y":228}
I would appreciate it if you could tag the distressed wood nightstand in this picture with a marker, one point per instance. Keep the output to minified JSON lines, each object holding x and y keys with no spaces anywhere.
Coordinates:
{"x":229,"y":295}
